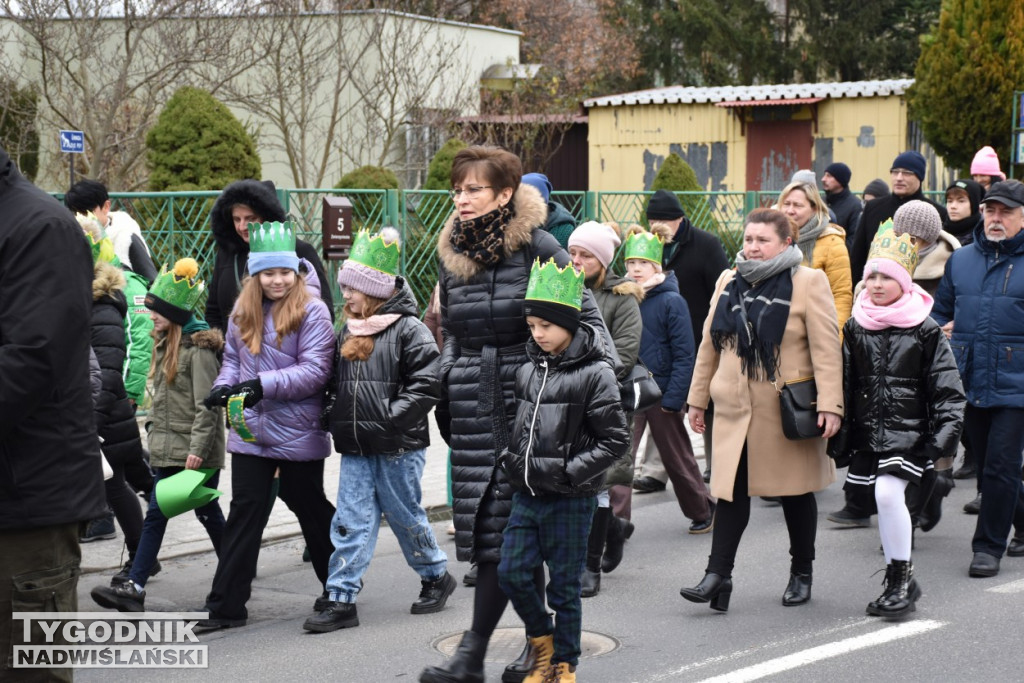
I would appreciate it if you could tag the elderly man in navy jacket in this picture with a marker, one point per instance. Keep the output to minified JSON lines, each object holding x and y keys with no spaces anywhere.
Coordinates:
{"x":979,"y":303}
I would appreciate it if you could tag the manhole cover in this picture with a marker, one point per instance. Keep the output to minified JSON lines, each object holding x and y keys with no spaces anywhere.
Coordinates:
{"x":507,"y":643}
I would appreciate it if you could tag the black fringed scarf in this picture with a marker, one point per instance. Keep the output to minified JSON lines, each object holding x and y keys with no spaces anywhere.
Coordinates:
{"x":751,"y":318}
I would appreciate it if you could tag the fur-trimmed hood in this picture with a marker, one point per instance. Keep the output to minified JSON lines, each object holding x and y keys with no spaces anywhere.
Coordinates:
{"x":623,"y":286}
{"x":107,"y":280}
{"x":531,"y":212}
{"x":933,"y":265}
{"x":260,"y":196}
{"x":212,"y":339}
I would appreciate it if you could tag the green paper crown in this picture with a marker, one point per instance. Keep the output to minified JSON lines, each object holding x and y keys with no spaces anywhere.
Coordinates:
{"x":888,"y":246}
{"x":102,"y":248}
{"x":644,"y":245}
{"x":557,"y":285}
{"x":375,"y":253}
{"x":272,"y":237}
{"x":179,"y":287}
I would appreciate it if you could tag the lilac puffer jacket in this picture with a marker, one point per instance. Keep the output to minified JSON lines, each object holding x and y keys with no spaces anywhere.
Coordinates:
{"x":286,"y":423}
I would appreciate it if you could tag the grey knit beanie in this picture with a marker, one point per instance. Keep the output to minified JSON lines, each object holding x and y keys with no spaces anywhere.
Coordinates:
{"x":918,"y":219}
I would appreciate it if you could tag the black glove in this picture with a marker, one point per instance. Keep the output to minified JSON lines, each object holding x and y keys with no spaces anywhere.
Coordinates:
{"x":253,"y":390}
{"x":218,"y":397}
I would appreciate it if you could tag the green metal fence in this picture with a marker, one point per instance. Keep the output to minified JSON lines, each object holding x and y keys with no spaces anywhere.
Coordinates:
{"x":176,"y":224}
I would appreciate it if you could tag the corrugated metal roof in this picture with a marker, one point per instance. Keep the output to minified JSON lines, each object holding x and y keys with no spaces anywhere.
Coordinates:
{"x":678,"y":94}
{"x":769,"y":103}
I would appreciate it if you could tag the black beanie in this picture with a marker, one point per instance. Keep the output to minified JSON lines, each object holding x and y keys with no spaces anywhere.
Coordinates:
{"x":840,"y":172}
{"x":558,"y":314}
{"x":664,"y":206}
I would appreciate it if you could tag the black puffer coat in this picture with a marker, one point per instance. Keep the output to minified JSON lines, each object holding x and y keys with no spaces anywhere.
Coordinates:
{"x":383,"y":402}
{"x":902,"y":392}
{"x":485,"y":344}
{"x":231,"y":260}
{"x":115,"y":419}
{"x":569,"y":427}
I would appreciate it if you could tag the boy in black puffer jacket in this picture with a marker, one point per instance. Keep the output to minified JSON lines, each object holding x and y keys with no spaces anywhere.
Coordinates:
{"x":569,"y":429}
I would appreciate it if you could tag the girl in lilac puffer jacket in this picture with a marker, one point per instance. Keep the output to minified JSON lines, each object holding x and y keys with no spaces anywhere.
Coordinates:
{"x":278,"y":353}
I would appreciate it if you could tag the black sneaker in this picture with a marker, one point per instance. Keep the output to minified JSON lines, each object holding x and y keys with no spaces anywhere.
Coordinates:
{"x":648,"y":485}
{"x":101,"y":529}
{"x":124,"y":597}
{"x":973,"y":507}
{"x":336,"y":615}
{"x":212,"y":623}
{"x":123,"y":575}
{"x":847,"y":518}
{"x":434,"y":595}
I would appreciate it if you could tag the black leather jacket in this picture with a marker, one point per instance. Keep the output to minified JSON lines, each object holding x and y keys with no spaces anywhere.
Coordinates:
{"x":569,"y":427}
{"x":382,"y":403}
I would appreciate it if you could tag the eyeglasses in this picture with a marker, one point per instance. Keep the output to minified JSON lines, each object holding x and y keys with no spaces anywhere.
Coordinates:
{"x":469,"y":191}
{"x":901,"y":172}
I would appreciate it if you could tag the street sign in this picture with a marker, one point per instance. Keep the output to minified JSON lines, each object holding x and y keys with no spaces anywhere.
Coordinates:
{"x":72,"y":141}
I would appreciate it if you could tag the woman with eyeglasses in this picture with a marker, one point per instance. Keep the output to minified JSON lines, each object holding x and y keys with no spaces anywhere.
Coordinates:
{"x":486,"y":250}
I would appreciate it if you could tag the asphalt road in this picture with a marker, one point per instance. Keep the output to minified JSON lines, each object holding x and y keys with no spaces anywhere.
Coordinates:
{"x":964,"y":629}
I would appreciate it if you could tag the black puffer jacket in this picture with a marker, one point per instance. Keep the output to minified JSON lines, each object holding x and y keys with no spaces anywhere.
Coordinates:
{"x":903,"y":392}
{"x":115,"y":419}
{"x":383,"y":402}
{"x":569,"y":427}
{"x":485,"y":344}
{"x":231,"y":259}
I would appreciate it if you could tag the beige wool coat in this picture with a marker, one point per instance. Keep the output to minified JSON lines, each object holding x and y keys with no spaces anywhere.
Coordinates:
{"x":747,"y":410}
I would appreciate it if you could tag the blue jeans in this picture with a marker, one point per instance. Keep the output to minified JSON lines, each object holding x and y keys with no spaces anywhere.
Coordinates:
{"x":153,"y":528}
{"x":368,"y":486}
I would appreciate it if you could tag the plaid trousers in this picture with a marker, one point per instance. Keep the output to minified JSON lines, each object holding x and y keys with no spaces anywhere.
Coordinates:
{"x":548,"y":530}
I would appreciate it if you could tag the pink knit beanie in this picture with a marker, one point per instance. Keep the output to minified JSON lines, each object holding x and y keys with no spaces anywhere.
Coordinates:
{"x":986,"y":163}
{"x":597,"y":238}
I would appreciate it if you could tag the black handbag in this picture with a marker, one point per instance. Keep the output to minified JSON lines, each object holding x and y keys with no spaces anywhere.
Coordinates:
{"x":639,"y":391}
{"x":798,"y":403}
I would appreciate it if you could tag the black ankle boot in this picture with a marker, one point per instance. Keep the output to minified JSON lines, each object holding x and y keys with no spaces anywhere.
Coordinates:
{"x":595,"y":550}
{"x":872,"y":609}
{"x":931,"y":512}
{"x":712,"y":588}
{"x":798,"y":591}
{"x":902,"y":593}
{"x":619,"y":530}
{"x":519,"y":668}
{"x":591,"y":583}
{"x":465,"y":666}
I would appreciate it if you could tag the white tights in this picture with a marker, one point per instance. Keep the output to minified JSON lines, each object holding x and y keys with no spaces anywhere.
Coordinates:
{"x":893,"y":517}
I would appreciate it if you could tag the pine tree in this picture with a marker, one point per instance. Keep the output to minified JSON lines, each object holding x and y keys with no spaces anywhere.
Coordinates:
{"x":440,"y":170}
{"x":970,"y":65}
{"x":675,"y":175}
{"x":198,"y":144}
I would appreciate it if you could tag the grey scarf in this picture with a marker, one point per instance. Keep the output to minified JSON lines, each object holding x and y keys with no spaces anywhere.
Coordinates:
{"x":756,"y":271}
{"x":809,"y":234}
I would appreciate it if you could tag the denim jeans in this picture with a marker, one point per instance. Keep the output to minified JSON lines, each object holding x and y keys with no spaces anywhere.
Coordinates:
{"x":153,"y":528}
{"x":367,"y":487}
{"x":997,"y":438}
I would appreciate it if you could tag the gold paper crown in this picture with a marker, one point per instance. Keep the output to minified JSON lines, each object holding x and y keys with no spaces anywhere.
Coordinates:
{"x":898,"y":249}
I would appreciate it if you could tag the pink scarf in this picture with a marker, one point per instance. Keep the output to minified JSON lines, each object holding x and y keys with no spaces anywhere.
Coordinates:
{"x":909,"y":310}
{"x":372,"y":325}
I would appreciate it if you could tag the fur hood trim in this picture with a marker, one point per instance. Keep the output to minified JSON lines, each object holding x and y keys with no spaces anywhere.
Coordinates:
{"x":260,"y":196}
{"x":531,"y":214}
{"x":106,"y":280}
{"x":629,"y":288}
{"x":212,"y":339}
{"x":833,"y":229}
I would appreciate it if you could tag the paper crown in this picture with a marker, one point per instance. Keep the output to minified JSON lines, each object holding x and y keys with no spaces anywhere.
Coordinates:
{"x":179,"y":287}
{"x":102,"y":248}
{"x":886,"y":245}
{"x":556,"y":285}
{"x":375,"y":253}
{"x":271,"y":237}
{"x":643,"y":245}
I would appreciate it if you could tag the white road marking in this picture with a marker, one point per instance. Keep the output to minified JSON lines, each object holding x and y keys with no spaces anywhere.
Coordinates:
{"x":1011,"y":587}
{"x":816,"y":654}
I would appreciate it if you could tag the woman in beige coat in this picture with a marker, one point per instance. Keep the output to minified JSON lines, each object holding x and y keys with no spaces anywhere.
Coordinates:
{"x":791,"y":334}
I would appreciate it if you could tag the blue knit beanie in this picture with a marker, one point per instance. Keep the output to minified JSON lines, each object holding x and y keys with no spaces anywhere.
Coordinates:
{"x":913,"y":161}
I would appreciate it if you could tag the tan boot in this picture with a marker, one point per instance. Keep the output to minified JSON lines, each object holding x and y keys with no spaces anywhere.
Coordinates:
{"x":543,"y":648}
{"x":563,"y":672}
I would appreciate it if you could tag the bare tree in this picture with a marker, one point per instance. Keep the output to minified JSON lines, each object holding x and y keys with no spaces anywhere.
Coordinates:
{"x":106,"y":66}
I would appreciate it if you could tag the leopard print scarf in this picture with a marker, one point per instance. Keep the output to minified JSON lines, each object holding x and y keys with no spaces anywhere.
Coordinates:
{"x":483,"y":238}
